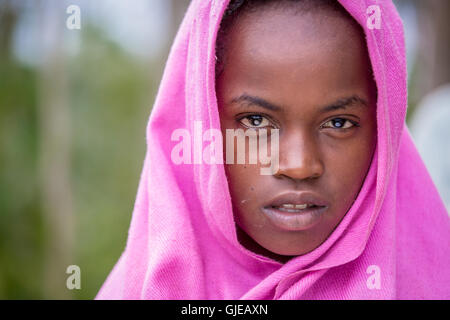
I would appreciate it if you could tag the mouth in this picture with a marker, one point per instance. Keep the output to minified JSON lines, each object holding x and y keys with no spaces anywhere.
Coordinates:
{"x":294,"y":208}
{"x":295,"y":211}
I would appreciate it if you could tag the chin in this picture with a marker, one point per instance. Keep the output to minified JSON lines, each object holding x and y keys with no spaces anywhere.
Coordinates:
{"x":291,"y":252}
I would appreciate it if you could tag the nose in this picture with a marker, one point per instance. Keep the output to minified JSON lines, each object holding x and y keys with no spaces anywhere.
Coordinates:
{"x":299,"y":158}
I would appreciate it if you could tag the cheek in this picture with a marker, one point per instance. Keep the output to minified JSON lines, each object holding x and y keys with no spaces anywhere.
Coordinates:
{"x":243,"y":182}
{"x":347,"y":163}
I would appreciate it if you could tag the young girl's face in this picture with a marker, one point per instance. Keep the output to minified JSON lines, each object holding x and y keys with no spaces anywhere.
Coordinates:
{"x":308,"y":75}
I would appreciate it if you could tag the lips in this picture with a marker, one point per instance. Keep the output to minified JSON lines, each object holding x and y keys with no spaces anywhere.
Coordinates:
{"x":295,"y":211}
{"x":293,"y":208}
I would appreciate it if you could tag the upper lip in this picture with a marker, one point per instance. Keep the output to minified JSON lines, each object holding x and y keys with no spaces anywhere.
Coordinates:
{"x":300,"y":197}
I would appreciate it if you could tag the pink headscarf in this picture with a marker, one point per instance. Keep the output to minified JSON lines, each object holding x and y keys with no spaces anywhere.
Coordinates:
{"x":392,"y":244}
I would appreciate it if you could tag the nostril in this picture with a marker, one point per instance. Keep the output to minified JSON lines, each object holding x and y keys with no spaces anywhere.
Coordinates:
{"x":301,"y":170}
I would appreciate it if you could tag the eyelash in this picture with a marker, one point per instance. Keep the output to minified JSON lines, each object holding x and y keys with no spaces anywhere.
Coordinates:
{"x":353,"y":123}
{"x":262,"y":117}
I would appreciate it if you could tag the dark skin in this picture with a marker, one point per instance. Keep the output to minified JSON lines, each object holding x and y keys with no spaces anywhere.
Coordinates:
{"x":310,"y":75}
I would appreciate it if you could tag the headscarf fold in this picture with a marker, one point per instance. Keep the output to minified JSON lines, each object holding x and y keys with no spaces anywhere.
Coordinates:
{"x":393,"y":243}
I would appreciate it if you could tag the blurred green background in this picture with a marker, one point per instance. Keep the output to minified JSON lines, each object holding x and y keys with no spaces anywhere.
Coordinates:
{"x":74,"y":105}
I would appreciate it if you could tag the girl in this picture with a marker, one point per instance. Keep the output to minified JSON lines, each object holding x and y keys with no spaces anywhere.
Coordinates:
{"x":349,"y":211}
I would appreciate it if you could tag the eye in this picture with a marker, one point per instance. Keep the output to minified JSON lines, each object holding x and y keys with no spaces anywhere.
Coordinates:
{"x":339,"y":123}
{"x":255,"y":121}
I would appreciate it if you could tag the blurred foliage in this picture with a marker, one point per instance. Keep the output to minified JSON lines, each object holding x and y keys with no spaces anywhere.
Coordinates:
{"x":110,"y":103}
{"x":110,"y":96}
{"x":21,"y":234}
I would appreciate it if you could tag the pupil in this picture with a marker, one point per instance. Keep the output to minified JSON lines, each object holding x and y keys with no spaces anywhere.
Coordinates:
{"x":338,"y":123}
{"x":256,"y":120}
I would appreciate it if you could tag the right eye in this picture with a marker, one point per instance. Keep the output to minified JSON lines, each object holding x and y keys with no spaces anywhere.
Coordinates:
{"x":255,"y":121}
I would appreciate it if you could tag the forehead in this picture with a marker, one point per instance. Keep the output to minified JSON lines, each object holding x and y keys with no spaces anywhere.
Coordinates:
{"x":293,"y":52}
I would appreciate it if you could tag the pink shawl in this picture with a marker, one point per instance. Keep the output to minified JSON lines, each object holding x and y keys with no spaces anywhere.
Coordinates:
{"x":392,"y":244}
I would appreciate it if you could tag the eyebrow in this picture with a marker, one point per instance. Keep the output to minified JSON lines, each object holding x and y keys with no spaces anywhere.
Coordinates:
{"x":336,"y":105}
{"x":252,"y":100}
{"x":344,"y":103}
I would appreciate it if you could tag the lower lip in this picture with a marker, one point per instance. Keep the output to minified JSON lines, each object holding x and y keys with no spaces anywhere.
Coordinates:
{"x":295,"y":221}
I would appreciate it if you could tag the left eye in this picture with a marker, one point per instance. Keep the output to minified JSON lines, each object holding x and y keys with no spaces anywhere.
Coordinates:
{"x":338,"y":123}
{"x":255,"y":121}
